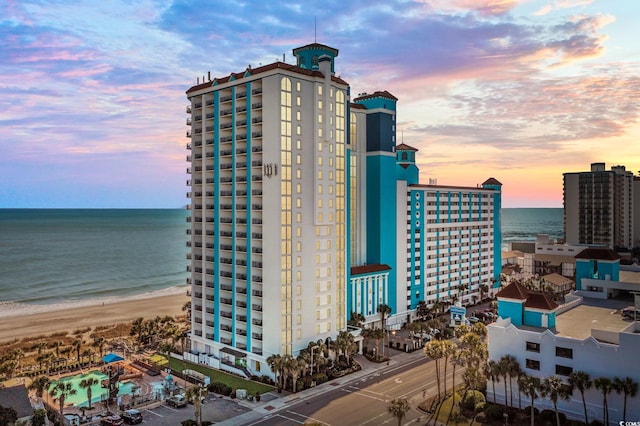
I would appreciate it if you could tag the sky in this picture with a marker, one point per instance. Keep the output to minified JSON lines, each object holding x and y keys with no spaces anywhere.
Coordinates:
{"x":92,"y":93}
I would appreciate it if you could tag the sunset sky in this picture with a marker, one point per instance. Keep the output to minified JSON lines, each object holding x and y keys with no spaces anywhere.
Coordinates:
{"x":92,"y":93}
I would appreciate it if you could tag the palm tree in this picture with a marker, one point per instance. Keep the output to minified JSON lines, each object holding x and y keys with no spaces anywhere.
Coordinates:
{"x":356,"y":319}
{"x":384,"y":311}
{"x":60,"y":392}
{"x":194,"y":394}
{"x":137,"y":329}
{"x":493,"y":372}
{"x":553,"y":388}
{"x":604,"y":385}
{"x":87,"y":384}
{"x":39,"y":384}
{"x":457,"y":357}
{"x":629,"y":388}
{"x":435,"y":350}
{"x":581,"y":381}
{"x":484,"y":289}
{"x":276,"y":364}
{"x":530,"y":386}
{"x":448,"y":350}
{"x":99,"y":342}
{"x":294,"y":367}
{"x":399,"y":408}
{"x":504,"y":373}
{"x":508,"y":368}
{"x":76,"y":345}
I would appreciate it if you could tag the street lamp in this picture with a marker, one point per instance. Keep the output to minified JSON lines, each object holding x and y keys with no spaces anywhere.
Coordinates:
{"x":312,"y":348}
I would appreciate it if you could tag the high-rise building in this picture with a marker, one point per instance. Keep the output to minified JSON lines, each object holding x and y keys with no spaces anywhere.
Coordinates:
{"x":599,"y":207}
{"x":305,"y":209}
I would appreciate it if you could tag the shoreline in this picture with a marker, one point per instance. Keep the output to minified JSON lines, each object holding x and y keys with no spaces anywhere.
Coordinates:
{"x":18,"y":325}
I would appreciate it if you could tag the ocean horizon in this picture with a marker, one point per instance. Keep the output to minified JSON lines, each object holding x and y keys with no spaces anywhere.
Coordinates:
{"x":53,"y":259}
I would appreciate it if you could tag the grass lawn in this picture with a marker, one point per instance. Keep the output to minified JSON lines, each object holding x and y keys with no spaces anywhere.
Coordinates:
{"x":216,"y":375}
{"x":445,"y":409}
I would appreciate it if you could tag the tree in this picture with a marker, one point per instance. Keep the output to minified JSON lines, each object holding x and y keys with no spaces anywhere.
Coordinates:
{"x":87,"y":384}
{"x":422,"y":310}
{"x":484,"y":289}
{"x":448,"y":350}
{"x":493,"y":372}
{"x":60,"y":392}
{"x":194,"y":395}
{"x":99,"y":342}
{"x":399,"y":408}
{"x":356,"y":319}
{"x":76,"y":345}
{"x":581,"y":381}
{"x":276,"y":364}
{"x":384,"y":311}
{"x":8,"y":415}
{"x":530,"y":386}
{"x":604,"y":385}
{"x":38,"y":418}
{"x":509,"y":367}
{"x":294,"y":367}
{"x":629,"y":388}
{"x":435,"y":350}
{"x":553,"y":388}
{"x":456,"y":359}
{"x":39,"y":384}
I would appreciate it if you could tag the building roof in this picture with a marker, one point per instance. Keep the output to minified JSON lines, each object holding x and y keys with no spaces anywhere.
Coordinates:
{"x":316,"y":46}
{"x":557,"y":279}
{"x":514,"y":290}
{"x":492,"y":181}
{"x":255,"y":71}
{"x":376,"y":94}
{"x":357,"y":106}
{"x":17,"y":397}
{"x":367,"y":269}
{"x":554,"y":259}
{"x":598,"y":253}
{"x":405,"y":147}
{"x":474,"y":188}
{"x":540,"y":301}
{"x":511,"y":254}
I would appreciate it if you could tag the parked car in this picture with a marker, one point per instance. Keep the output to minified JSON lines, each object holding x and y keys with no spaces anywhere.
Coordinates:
{"x":631,"y":313}
{"x":113,"y":420}
{"x":132,"y":417}
{"x":177,"y":401}
{"x":473,"y":319}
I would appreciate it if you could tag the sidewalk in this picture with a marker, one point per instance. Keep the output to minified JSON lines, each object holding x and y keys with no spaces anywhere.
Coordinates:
{"x":261,"y":409}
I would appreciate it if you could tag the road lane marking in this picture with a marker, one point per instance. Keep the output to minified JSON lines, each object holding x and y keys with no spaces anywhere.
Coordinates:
{"x":153,"y":412}
{"x":307,"y":417}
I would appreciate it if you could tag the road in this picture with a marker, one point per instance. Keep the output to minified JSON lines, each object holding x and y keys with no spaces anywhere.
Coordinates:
{"x":364,"y":401}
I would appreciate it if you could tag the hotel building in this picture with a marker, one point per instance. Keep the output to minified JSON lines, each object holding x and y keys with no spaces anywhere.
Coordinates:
{"x":304,"y":210}
{"x":599,"y":207}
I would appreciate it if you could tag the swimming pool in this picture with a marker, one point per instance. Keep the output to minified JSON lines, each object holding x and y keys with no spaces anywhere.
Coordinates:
{"x":98,"y":393}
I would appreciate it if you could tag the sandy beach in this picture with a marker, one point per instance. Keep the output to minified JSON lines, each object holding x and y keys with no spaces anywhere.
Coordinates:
{"x":20,"y":326}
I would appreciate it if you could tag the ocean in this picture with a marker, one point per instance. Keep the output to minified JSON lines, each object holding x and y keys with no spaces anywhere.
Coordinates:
{"x":56,"y":258}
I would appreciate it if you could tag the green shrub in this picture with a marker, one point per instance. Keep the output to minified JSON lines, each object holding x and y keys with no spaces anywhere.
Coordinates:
{"x":471,"y":399}
{"x":493,"y":411}
{"x":547,"y":416}
{"x":480,"y":407}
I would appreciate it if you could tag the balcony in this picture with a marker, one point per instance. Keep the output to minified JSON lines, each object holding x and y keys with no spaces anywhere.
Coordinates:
{"x":188,"y":122}
{"x":257,"y":308}
{"x":188,"y":133}
{"x":257,"y":336}
{"x":188,"y":109}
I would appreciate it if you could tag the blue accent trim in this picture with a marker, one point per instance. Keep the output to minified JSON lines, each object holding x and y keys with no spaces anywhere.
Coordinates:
{"x":216,"y":216}
{"x":349,"y":286}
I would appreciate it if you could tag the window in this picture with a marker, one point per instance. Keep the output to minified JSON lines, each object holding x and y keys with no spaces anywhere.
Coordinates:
{"x":563,"y":370}
{"x":533,"y":347}
{"x":564,"y":352}
{"x":532,"y":364}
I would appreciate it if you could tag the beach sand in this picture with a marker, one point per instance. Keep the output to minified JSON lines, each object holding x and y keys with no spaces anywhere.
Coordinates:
{"x":70,"y":319}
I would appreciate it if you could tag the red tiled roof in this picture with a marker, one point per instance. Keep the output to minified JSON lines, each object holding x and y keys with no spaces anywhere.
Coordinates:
{"x":405,"y":147}
{"x":357,"y":106}
{"x":514,"y":290}
{"x":376,"y":94}
{"x":367,"y":269}
{"x":598,"y":254}
{"x":540,"y":301}
{"x":265,"y":68}
{"x":492,"y":181}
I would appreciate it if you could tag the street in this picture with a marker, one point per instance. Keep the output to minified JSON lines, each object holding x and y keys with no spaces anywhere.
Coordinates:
{"x":363,"y":401}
